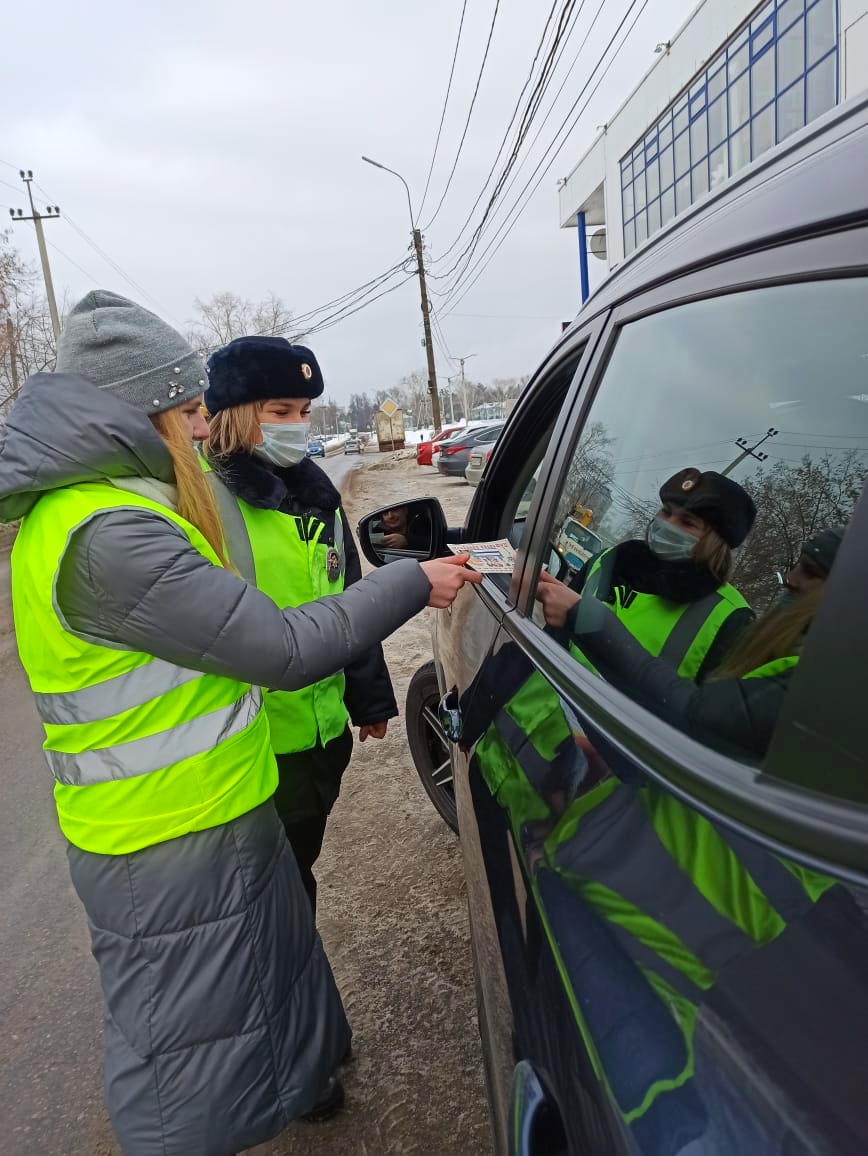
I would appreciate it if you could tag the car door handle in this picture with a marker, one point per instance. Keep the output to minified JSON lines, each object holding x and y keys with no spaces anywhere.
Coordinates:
{"x":449,"y":716}
{"x":535,"y":1124}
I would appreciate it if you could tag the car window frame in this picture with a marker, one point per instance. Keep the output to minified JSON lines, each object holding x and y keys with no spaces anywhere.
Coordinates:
{"x":822,"y":831}
{"x":486,"y":510}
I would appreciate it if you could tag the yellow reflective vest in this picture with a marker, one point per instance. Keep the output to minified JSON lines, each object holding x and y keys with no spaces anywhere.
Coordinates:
{"x":141,"y":750}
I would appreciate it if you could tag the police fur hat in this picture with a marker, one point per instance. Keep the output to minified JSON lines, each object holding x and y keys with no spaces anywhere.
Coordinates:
{"x":718,"y":500}
{"x":258,"y":369}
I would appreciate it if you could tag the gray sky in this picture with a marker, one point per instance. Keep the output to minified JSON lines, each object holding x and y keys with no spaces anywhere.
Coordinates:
{"x":217,"y":146}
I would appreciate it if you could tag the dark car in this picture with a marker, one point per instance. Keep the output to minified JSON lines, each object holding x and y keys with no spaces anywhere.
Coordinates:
{"x":315,"y":448}
{"x":669,"y":923}
{"x":454,"y":456}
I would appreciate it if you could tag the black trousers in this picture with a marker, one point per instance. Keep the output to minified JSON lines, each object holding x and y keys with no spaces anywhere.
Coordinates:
{"x":308,"y":787}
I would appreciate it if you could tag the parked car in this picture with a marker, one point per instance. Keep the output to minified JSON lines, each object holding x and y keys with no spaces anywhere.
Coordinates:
{"x":425,"y":450}
{"x":476,"y":464}
{"x":352,"y":446}
{"x":670,"y":929}
{"x":315,"y":448}
{"x":454,"y":454}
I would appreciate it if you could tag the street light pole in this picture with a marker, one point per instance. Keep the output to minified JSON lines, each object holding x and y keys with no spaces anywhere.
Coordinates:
{"x":426,"y":307}
{"x":461,"y":361}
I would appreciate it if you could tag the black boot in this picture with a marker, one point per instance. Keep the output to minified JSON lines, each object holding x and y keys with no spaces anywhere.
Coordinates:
{"x":330,"y":1102}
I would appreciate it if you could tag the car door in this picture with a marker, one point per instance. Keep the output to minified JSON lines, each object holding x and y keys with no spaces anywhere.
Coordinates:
{"x":677,"y":925}
{"x":463,"y":640}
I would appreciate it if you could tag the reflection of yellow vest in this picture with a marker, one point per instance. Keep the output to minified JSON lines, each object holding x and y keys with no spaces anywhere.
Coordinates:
{"x":142,"y":751}
{"x":681,"y":633}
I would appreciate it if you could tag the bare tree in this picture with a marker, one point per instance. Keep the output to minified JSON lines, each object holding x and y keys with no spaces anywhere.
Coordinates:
{"x":226,"y":316}
{"x":33,"y":345}
{"x":794,"y":501}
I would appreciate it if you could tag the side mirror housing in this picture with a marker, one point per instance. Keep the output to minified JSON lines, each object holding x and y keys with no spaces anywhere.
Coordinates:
{"x":412,"y":529}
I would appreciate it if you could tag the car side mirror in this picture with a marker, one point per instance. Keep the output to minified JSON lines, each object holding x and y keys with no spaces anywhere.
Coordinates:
{"x":413,"y":529}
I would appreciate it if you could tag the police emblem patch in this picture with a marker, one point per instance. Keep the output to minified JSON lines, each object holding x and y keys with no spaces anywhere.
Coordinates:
{"x":306,"y":371}
{"x":333,"y":564}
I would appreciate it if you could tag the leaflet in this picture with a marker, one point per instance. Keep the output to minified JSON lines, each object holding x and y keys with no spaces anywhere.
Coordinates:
{"x":488,"y":557}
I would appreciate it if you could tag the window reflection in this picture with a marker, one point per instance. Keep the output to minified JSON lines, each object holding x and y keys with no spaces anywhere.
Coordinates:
{"x":770,"y":80}
{"x":693,"y":539}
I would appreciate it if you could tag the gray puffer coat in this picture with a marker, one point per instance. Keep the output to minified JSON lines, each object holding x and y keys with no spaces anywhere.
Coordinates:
{"x":223,"y":1021}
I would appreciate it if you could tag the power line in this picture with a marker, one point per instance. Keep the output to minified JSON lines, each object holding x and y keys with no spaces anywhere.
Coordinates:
{"x":445,"y":103}
{"x":454,"y":294}
{"x":540,"y":88}
{"x":469,"y":251}
{"x":328,"y":323}
{"x":66,"y":257}
{"x":440,"y":338}
{"x":469,"y":114}
{"x":140,"y":289}
{"x":360,"y":290}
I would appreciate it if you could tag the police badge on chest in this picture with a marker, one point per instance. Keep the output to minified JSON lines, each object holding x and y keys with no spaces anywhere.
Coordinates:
{"x":333,"y":564}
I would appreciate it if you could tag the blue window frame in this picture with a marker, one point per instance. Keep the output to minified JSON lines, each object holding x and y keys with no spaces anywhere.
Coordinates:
{"x":777,"y":73}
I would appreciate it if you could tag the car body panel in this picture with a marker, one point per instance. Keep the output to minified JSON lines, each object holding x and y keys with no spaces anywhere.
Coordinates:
{"x":425,"y":450}
{"x":476,"y":465}
{"x":454,"y":455}
{"x":763,"y":1052}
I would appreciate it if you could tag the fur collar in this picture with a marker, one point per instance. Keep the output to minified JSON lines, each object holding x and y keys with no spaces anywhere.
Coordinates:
{"x":635,"y":567}
{"x":302,"y":487}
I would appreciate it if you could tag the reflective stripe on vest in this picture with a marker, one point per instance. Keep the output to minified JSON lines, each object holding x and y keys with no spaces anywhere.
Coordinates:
{"x":234,"y":531}
{"x":115,"y":695}
{"x":722,"y":895}
{"x":152,"y":753}
{"x":142,"y":751}
{"x":283,"y":556}
{"x":680,"y":633}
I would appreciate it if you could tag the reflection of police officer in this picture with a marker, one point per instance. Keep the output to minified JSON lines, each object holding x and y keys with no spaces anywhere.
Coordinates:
{"x":672,"y":590}
{"x":737,"y":709}
{"x":298,"y":542}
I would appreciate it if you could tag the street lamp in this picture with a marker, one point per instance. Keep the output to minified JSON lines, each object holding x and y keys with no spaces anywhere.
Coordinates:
{"x":426,"y":310}
{"x":386,"y":169}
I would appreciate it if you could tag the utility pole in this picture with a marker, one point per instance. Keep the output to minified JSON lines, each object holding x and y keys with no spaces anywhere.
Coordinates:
{"x":52,"y":212}
{"x":426,"y":308}
{"x":426,"y":321}
{"x":750,"y":451}
{"x":10,"y":343}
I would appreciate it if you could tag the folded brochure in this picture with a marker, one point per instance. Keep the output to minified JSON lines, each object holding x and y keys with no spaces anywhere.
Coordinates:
{"x":488,"y":557}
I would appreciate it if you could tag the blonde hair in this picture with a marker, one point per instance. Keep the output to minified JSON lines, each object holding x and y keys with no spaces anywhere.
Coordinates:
{"x":196,"y":503}
{"x":233,"y":430}
{"x":714,"y":554}
{"x":776,"y":635}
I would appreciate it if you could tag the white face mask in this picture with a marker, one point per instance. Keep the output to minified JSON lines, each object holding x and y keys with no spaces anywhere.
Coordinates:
{"x":669,"y":543}
{"x":283,"y":443}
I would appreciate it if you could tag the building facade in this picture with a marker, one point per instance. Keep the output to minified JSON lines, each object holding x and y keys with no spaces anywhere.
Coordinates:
{"x":737,"y":79}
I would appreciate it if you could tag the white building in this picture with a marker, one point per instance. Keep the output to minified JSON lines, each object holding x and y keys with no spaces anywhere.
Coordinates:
{"x":735,"y":80}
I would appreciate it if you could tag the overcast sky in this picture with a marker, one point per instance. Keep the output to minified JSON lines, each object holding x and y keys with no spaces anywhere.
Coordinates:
{"x":217,"y":146}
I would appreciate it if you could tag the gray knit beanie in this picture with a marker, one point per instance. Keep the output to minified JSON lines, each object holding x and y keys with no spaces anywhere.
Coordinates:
{"x":121,"y":347}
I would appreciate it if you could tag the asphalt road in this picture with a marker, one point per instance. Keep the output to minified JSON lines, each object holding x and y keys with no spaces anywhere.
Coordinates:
{"x":50,"y":1070}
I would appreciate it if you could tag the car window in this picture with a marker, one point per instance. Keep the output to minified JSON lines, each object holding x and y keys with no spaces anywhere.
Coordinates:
{"x":518,"y":465}
{"x":707,"y":495}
